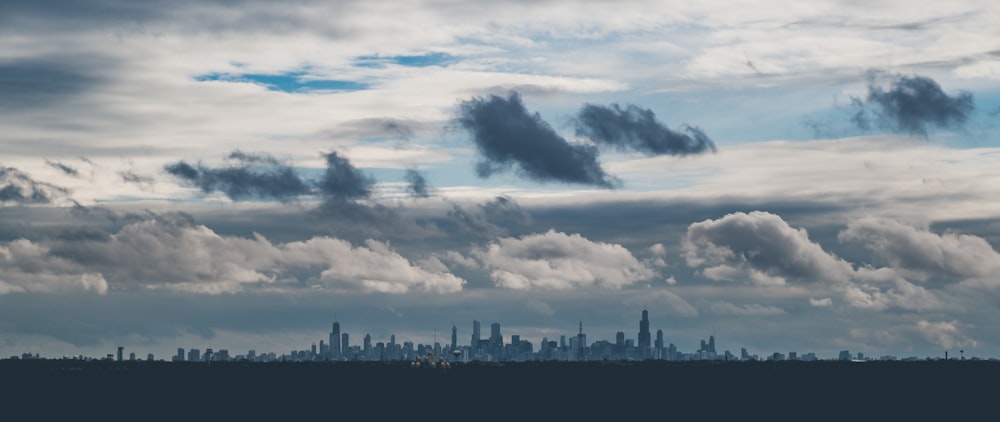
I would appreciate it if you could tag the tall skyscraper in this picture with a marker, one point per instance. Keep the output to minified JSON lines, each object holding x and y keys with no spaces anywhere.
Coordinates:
{"x":581,"y":341}
{"x":454,"y":337}
{"x":120,"y":350}
{"x":496,"y":340}
{"x":335,"y":349}
{"x":476,"y":336}
{"x":644,"y":335}
{"x":659,"y":345}
{"x":345,"y":345}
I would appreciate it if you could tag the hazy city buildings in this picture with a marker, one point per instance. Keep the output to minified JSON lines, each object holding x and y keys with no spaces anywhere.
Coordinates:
{"x":492,"y":349}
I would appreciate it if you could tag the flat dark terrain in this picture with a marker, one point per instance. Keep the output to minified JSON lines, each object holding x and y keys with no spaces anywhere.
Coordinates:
{"x":925,"y":390}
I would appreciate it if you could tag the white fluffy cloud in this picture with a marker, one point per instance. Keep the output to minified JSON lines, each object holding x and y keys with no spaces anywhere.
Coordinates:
{"x":188,"y":257}
{"x":762,"y":249}
{"x":921,"y":252}
{"x":945,"y":334}
{"x":555,"y":260}
{"x":29,"y":267}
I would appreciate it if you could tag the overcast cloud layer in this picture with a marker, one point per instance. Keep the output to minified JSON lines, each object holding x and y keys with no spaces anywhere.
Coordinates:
{"x":786,"y":176}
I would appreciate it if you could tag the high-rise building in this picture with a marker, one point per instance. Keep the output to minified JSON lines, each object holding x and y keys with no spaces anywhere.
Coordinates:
{"x":335,"y":349}
{"x":476,"y":336}
{"x":581,"y":343}
{"x":120,"y":350}
{"x":345,"y":345}
{"x":194,"y":355}
{"x":454,"y":337}
{"x":496,"y":340}
{"x":179,"y":357}
{"x":659,"y":340}
{"x":367,"y":346}
{"x":644,"y":335}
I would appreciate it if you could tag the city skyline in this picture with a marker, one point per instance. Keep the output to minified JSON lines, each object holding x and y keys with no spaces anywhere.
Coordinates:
{"x":821,"y":176}
{"x":496,"y":348}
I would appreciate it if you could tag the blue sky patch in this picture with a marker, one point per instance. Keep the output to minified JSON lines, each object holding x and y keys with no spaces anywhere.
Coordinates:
{"x":287,"y":82}
{"x":423,"y":60}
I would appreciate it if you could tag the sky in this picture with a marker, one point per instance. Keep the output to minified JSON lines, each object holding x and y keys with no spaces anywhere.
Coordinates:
{"x":783,"y":175}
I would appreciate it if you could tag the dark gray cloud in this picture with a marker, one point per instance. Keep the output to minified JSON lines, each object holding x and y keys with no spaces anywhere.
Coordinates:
{"x":253,"y":176}
{"x":41,"y":82}
{"x":417,"y":184}
{"x":63,"y":168}
{"x":505,"y":208}
{"x":507,"y":135}
{"x":491,"y":217}
{"x":18,"y":187}
{"x":636,"y":128}
{"x":343,"y":181}
{"x":912,"y":104}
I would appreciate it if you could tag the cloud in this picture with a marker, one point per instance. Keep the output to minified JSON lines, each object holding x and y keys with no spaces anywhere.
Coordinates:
{"x":343,"y":181}
{"x":555,"y":260}
{"x":69,"y":171}
{"x":920,"y":251}
{"x":502,"y":209}
{"x":944,"y":334}
{"x":760,"y":247}
{"x":251,"y":176}
{"x":911,"y":105}
{"x":507,"y":135}
{"x":46,"y":81}
{"x":417,"y":184}
{"x":371,"y":128}
{"x":19,"y":188}
{"x":821,"y":303}
{"x":178,"y":255}
{"x":29,"y":267}
{"x":750,"y":310}
{"x":635,"y":128}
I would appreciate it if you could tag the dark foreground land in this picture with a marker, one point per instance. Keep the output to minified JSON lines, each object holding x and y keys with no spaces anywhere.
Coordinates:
{"x":924,"y":390}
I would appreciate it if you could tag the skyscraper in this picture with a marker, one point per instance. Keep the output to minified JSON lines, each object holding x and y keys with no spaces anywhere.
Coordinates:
{"x":496,"y":340}
{"x":454,"y":337}
{"x":644,"y":335}
{"x":335,"y":349}
{"x":659,"y":345}
{"x":345,"y":345}
{"x":475,"y":338}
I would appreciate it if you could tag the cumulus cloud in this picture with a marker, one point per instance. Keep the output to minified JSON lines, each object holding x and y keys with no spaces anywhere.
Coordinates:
{"x":555,"y":260}
{"x":635,"y":128}
{"x":760,"y":247}
{"x":29,"y":267}
{"x":507,"y":135}
{"x":248,"y":176}
{"x":18,"y":187}
{"x":911,"y":105}
{"x":920,"y":251}
{"x":184,"y":256}
{"x":945,"y":334}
